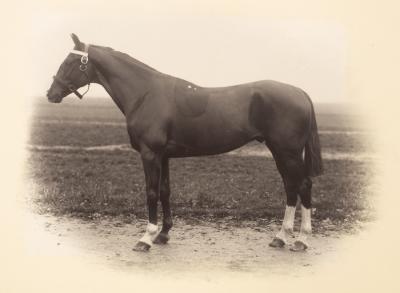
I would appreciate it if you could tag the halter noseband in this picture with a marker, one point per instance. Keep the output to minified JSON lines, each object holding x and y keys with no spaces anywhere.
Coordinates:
{"x":82,"y":68}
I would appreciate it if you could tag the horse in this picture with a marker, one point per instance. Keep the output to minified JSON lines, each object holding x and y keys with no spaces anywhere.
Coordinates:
{"x":168,"y":117}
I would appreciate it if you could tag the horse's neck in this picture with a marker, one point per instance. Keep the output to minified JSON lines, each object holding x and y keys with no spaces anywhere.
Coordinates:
{"x":103,"y":81}
{"x":113,"y":73}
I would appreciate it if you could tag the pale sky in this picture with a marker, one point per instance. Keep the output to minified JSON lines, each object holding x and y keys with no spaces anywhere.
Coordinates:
{"x":208,"y":49}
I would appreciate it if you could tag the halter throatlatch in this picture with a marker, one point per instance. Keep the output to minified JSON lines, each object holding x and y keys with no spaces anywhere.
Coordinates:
{"x":83,"y":68}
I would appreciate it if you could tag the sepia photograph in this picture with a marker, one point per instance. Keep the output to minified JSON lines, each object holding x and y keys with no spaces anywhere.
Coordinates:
{"x":199,"y":145}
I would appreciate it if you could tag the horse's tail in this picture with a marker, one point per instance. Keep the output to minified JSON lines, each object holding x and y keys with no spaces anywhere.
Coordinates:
{"x":312,"y":150}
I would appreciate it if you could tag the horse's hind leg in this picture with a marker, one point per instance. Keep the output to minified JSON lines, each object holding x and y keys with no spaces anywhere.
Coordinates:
{"x":163,"y":236}
{"x":305,"y":229}
{"x":290,"y":173}
{"x":291,"y":167}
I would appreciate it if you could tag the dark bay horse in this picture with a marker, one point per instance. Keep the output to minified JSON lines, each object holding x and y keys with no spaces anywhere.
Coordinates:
{"x":168,"y":117}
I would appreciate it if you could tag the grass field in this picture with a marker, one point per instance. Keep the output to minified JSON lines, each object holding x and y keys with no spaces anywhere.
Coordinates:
{"x":104,"y":181}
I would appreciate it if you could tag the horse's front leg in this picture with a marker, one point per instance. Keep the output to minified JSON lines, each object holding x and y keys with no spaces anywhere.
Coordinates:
{"x":163,"y":236}
{"x":152,"y":170}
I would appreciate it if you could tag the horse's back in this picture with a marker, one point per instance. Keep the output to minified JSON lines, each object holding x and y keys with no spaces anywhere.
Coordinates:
{"x":213,"y":120}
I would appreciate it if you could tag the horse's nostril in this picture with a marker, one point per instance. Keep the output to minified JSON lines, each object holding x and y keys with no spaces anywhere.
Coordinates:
{"x":54,"y":99}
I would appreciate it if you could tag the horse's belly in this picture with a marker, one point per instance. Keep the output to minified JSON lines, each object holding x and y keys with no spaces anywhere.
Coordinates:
{"x":223,"y":126}
{"x":174,"y":150}
{"x":207,"y":142}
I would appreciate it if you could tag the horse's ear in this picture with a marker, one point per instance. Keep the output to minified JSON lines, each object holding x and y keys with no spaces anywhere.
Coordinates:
{"x":77,"y":42}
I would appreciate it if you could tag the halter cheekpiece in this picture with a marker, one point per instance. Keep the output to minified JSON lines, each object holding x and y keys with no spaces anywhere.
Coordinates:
{"x":82,"y":67}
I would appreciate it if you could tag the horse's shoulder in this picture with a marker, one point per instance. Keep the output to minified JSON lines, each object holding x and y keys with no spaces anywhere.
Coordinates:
{"x":190,"y":99}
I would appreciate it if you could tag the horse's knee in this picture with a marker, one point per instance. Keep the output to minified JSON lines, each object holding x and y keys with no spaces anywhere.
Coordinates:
{"x":164,"y":198}
{"x":152,"y":197}
{"x":164,"y":192}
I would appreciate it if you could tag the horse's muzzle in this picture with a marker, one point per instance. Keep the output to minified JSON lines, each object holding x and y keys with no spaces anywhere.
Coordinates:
{"x":54,"y":98}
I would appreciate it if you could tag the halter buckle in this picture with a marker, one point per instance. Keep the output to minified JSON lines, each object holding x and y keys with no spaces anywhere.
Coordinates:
{"x":84,"y":59}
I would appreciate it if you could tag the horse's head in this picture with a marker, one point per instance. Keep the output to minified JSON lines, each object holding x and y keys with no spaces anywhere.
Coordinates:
{"x":76,"y":71}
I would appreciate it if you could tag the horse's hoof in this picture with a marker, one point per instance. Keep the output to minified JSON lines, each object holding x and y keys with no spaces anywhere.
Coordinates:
{"x":162,"y":238}
{"x":277,"y":243}
{"x":298,"y":246}
{"x":141,"y":247}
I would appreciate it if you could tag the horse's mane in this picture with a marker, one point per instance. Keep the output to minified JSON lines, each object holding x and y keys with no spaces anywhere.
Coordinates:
{"x":126,"y":57}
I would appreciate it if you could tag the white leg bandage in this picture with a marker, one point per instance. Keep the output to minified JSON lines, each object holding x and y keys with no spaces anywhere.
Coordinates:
{"x":287,"y":225}
{"x":305,"y":228}
{"x":150,"y":235}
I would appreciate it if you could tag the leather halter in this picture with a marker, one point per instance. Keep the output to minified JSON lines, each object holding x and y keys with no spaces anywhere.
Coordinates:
{"x":83,"y":68}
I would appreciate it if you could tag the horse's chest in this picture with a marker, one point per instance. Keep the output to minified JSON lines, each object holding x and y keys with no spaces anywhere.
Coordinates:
{"x":144,"y":132}
{"x":135,"y":142}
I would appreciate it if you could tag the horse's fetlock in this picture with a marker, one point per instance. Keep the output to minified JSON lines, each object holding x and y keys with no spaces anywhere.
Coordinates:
{"x":151,"y":229}
{"x":167,"y":223}
{"x":288,"y":229}
{"x":306,"y":230}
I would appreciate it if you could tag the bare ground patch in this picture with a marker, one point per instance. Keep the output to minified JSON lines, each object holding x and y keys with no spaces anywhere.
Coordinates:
{"x":195,"y":246}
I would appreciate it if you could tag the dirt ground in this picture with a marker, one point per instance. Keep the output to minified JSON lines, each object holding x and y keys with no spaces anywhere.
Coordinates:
{"x":196,"y":246}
